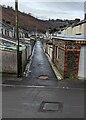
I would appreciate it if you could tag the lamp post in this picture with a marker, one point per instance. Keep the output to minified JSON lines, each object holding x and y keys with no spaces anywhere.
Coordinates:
{"x":17,"y":36}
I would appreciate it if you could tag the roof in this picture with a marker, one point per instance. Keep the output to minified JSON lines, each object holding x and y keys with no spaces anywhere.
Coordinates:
{"x":10,"y":41}
{"x":79,"y":23}
{"x":81,"y":37}
{"x":75,"y":24}
{"x":9,"y":44}
{"x":7,"y":40}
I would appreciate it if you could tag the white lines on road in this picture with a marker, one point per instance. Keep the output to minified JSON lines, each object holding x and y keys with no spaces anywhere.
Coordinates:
{"x":32,"y":86}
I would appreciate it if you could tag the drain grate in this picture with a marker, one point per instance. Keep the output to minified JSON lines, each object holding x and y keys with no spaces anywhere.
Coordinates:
{"x":43,"y":77}
{"x":51,"y":106}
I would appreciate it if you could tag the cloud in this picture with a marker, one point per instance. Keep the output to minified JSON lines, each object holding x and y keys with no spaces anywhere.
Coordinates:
{"x":53,"y":10}
{"x":50,"y":9}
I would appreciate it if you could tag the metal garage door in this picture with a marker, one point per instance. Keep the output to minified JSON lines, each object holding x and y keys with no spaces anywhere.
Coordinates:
{"x":82,"y":63}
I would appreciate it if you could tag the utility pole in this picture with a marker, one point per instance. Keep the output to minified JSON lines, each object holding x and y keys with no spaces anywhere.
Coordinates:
{"x":17,"y":36}
{"x":36,"y":32}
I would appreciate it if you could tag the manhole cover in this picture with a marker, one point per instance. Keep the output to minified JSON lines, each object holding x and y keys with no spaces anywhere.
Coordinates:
{"x":43,"y":77}
{"x":51,"y":106}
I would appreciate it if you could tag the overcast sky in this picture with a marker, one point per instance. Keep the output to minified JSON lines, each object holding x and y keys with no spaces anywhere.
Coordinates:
{"x":53,"y":9}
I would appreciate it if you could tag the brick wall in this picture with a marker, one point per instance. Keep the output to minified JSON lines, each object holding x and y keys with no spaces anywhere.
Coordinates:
{"x":71,"y":60}
{"x":67,"y":61}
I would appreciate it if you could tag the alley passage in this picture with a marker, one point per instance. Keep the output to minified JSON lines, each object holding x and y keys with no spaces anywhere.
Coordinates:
{"x":39,"y":67}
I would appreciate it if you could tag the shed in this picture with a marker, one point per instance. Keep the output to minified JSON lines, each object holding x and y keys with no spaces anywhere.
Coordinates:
{"x":69,"y":55}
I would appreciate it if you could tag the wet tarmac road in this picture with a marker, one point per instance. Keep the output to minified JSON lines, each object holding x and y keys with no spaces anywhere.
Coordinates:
{"x":25,"y":102}
{"x":40,"y":67}
{"x":41,"y":72}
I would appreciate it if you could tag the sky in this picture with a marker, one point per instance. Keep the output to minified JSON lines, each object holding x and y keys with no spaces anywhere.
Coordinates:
{"x":50,"y":9}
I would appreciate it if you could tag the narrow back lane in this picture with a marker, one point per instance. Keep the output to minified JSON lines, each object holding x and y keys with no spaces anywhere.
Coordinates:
{"x":41,"y":71}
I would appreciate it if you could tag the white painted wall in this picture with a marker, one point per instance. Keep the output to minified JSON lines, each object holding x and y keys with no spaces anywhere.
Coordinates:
{"x":82,"y":63}
{"x":8,"y":61}
{"x":75,"y":30}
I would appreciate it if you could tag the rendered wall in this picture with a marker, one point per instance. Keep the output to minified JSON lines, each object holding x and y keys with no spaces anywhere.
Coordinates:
{"x":9,"y":61}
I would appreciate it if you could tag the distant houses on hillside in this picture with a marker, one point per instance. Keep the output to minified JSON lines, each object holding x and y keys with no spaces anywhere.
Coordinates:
{"x":8,"y":31}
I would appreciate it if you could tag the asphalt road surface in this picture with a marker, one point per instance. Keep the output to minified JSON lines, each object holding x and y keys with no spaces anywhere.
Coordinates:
{"x":39,"y":96}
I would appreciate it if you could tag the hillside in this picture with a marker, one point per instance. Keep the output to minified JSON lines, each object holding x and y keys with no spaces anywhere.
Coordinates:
{"x":28,"y":22}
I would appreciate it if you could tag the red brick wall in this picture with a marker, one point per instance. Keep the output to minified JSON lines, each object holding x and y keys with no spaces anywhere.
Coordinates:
{"x":68,"y":57}
{"x":71,"y":60}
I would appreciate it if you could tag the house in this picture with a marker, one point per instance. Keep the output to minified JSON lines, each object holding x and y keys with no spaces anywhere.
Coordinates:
{"x":6,"y":30}
{"x":75,"y":29}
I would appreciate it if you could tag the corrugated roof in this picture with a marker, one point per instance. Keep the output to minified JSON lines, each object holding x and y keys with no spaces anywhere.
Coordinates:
{"x":10,"y":41}
{"x":7,"y":40}
{"x":81,"y":37}
{"x":11,"y":45}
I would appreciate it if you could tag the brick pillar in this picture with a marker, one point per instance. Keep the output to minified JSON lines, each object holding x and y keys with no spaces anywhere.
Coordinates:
{"x":65,"y":64}
{"x":71,"y":60}
{"x":77,"y":63}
